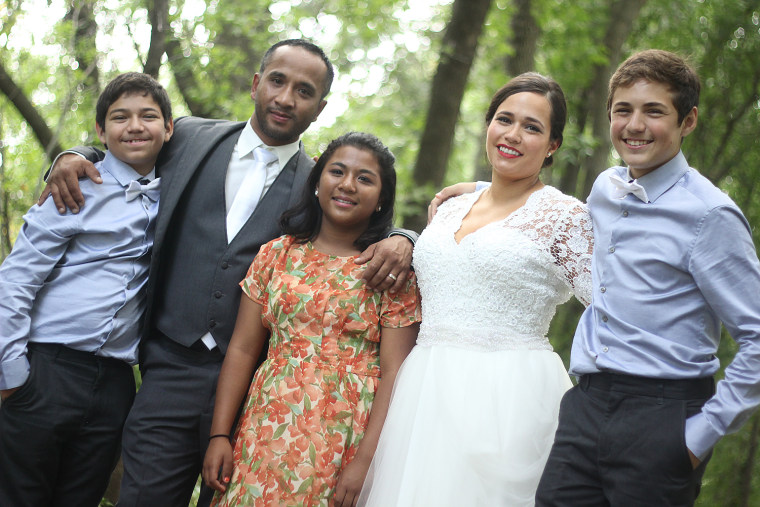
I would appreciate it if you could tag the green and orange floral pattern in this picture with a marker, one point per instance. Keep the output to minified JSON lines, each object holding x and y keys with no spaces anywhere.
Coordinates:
{"x":309,"y":402}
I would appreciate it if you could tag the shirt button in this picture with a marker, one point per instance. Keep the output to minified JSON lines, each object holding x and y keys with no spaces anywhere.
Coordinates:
{"x":605,"y":349}
{"x":604,"y":318}
{"x":612,"y":249}
{"x":218,"y":294}
{"x":625,"y":213}
{"x":603,"y":289}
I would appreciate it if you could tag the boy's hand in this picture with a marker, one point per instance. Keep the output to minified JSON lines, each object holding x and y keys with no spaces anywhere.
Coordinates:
{"x":5,"y":393}
{"x":63,"y":182}
{"x":447,"y":193}
{"x":218,"y":455}
{"x":388,"y":263}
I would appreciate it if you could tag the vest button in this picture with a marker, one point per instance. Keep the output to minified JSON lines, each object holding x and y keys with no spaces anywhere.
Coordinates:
{"x":218,"y":294}
{"x":225,"y":265}
{"x":211,"y":323}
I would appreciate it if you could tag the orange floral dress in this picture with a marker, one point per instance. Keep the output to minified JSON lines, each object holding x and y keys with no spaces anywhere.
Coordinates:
{"x":309,"y":402}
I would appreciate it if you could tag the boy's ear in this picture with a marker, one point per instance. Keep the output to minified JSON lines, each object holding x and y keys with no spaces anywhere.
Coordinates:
{"x":689,"y":122}
{"x":169,"y":130}
{"x":101,"y":133}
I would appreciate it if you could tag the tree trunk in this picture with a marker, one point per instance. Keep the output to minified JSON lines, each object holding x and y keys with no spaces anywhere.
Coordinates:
{"x":183,"y":74}
{"x":578,"y":180}
{"x":457,"y":53}
{"x":158,"y":13}
{"x":5,"y":219}
{"x":525,"y":34}
{"x":25,"y":107}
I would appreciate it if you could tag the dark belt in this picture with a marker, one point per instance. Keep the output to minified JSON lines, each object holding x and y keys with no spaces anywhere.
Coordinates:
{"x":75,"y":356}
{"x":679,"y":389}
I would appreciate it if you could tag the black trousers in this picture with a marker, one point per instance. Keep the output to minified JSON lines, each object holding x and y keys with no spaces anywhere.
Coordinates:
{"x":60,"y":433}
{"x":166,"y":434}
{"x":620,"y":442}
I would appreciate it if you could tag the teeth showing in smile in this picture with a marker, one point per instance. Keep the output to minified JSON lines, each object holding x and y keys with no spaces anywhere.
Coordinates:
{"x":344,"y":201}
{"x":509,"y":151}
{"x":636,"y":142}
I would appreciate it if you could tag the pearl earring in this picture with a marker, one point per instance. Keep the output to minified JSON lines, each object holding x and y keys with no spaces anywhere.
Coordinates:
{"x":316,"y":192}
{"x":548,"y":154}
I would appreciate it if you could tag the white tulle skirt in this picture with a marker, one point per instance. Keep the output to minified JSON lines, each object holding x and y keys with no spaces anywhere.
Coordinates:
{"x":467,"y":428}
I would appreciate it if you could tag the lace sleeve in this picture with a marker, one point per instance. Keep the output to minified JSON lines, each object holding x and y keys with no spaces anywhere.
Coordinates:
{"x":572,"y":246}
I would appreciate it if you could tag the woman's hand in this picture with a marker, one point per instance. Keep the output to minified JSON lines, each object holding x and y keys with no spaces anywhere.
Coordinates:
{"x":349,"y":484}
{"x":218,"y":455}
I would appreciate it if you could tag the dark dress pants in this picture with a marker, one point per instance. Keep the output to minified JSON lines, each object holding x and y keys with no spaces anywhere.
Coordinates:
{"x":620,"y":442}
{"x":60,"y":432}
{"x":166,"y":434}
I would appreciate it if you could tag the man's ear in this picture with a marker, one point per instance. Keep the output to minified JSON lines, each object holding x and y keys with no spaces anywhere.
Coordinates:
{"x":255,"y":85}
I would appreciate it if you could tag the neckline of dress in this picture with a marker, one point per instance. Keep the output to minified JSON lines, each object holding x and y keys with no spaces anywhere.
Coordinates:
{"x":478,"y":195}
{"x":311,"y":248}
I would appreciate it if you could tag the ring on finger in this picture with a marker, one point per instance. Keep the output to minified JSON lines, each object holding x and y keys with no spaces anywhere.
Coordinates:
{"x":392,"y":276}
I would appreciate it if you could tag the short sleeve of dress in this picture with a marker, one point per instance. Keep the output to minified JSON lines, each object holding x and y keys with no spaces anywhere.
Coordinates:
{"x":572,"y":247}
{"x":401,"y":309}
{"x":260,"y":272}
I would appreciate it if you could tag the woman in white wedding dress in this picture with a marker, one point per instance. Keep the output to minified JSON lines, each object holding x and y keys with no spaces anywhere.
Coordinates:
{"x":475,"y":404}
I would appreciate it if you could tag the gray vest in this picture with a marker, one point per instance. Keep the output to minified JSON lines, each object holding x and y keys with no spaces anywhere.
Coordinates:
{"x":198,"y":290}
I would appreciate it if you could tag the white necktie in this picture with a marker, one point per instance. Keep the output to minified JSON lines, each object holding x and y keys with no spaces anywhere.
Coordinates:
{"x":247,"y":197}
{"x":151,"y":189}
{"x":623,"y":188}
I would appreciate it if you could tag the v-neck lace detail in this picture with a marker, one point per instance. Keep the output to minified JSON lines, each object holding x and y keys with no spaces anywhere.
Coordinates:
{"x":497,"y":289}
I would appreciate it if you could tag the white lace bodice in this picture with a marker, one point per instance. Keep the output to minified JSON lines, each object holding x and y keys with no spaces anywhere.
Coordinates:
{"x":498,"y":289}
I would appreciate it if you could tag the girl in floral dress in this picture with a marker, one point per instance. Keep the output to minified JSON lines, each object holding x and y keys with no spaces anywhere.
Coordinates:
{"x":315,"y":407}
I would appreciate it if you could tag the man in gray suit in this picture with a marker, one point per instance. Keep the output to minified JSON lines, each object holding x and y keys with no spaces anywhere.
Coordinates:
{"x":198,"y":261}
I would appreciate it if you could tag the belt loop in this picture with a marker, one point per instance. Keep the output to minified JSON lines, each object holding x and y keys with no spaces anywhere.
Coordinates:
{"x":660,"y":393}
{"x":584,"y":382}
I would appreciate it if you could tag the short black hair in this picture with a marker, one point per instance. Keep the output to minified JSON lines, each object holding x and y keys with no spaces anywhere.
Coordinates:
{"x":311,"y":48}
{"x":304,"y":220}
{"x":132,"y":83}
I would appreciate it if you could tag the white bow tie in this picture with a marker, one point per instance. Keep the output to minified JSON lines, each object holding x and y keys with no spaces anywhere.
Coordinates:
{"x":623,"y":188}
{"x":151,"y":189}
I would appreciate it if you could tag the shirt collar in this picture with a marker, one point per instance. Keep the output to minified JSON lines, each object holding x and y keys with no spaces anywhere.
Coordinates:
{"x":249,"y":141}
{"x":661,"y":179}
{"x":122,"y":172}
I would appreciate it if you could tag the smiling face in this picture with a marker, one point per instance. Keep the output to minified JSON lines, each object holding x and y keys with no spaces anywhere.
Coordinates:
{"x":518,"y":137}
{"x":644,"y":126}
{"x":287,"y":95}
{"x":349,"y":189}
{"x":135,"y":130}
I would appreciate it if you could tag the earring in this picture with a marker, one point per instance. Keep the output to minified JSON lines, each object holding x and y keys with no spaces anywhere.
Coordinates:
{"x":379,"y":208}
{"x":316,"y":192}
{"x":548,"y":154}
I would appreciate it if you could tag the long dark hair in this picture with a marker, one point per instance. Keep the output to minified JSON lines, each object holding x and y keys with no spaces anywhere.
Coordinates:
{"x":304,"y":220}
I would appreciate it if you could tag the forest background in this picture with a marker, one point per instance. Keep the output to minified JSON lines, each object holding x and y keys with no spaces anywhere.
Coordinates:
{"x":417,"y":73}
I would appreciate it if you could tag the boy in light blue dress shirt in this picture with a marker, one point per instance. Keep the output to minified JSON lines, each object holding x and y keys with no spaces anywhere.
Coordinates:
{"x":72,"y":296}
{"x":673,"y":259}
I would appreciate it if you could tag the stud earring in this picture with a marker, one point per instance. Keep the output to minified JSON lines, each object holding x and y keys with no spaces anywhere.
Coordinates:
{"x":548,"y":154}
{"x":379,"y":208}
{"x":316,"y":192}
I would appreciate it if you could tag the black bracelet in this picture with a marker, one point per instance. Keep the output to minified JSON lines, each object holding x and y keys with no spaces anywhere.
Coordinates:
{"x":219,"y":435}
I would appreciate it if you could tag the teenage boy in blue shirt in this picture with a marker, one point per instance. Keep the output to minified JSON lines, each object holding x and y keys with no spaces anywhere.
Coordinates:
{"x":673,"y":259}
{"x":72,"y":296}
